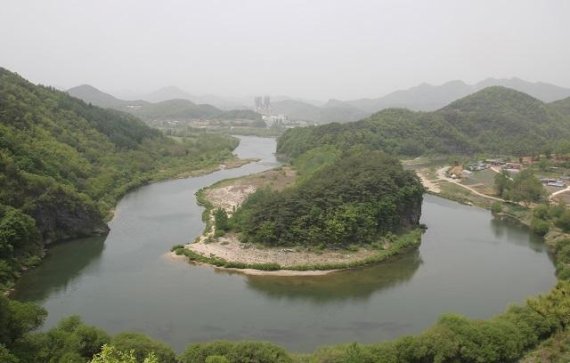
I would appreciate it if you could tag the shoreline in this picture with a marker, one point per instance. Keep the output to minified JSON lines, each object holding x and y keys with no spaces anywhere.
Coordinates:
{"x":173,"y":257}
{"x":235,"y":162}
{"x":228,"y":253}
{"x":405,"y":243}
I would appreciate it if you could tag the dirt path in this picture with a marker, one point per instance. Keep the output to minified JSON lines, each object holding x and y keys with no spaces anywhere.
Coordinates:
{"x":427,"y":183}
{"x":441,"y":176}
{"x":565,"y":190}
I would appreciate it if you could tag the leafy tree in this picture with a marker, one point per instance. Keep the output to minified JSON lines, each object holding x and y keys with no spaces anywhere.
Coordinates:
{"x":527,"y":188}
{"x":142,"y":347}
{"x":259,"y":352}
{"x":110,"y":354}
{"x":16,"y":320}
{"x":503,"y":184}
{"x":564,"y":221}
{"x":221,"y":220}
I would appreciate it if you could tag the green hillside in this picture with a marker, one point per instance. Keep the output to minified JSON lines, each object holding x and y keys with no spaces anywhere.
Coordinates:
{"x":65,"y":163}
{"x":495,"y":120}
{"x":174,"y":109}
{"x":562,"y":107}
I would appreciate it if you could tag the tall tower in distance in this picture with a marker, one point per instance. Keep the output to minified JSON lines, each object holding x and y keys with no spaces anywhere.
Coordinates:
{"x":267,"y":103}
{"x":258,"y":103}
{"x":262,"y":105}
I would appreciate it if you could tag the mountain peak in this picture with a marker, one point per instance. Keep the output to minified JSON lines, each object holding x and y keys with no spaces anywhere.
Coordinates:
{"x":93,"y":95}
{"x":497,"y":99}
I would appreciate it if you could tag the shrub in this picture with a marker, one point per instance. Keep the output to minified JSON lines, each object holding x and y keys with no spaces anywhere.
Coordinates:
{"x":564,"y":221}
{"x":541,"y":212}
{"x":539,"y":226}
{"x":217,"y":359}
{"x":258,"y":352}
{"x":143,"y":347}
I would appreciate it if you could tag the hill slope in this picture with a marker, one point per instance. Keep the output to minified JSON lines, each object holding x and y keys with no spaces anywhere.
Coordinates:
{"x":93,"y":95}
{"x":166,"y":109}
{"x":495,"y":120}
{"x":65,"y":163}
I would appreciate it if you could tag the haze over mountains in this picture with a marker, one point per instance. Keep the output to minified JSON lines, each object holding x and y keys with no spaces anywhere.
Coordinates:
{"x":178,"y":107}
{"x":424,"y":97}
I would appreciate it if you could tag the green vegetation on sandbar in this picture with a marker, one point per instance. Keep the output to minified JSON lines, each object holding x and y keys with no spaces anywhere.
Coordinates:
{"x":398,"y":245}
{"x":64,"y":164}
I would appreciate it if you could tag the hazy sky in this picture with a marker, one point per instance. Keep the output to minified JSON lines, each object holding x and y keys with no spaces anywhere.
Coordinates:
{"x":314,"y":49}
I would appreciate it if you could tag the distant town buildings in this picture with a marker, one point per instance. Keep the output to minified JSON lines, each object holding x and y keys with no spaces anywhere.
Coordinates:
{"x":262,"y":105}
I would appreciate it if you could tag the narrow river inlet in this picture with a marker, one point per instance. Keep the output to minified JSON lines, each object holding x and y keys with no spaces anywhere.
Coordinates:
{"x":467,"y":263}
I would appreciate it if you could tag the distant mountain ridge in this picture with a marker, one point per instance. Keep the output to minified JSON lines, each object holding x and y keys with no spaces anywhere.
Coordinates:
{"x":426,"y":97}
{"x":496,"y":120}
{"x":173,"y":92}
{"x":170,"y":109}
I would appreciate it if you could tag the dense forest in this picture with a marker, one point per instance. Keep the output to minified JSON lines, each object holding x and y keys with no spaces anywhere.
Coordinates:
{"x":65,"y":163}
{"x":495,"y":120}
{"x":355,"y":199}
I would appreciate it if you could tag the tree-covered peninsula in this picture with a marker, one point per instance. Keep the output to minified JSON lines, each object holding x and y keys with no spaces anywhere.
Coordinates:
{"x":355,"y":200}
{"x":314,"y":217}
{"x":65,"y":163}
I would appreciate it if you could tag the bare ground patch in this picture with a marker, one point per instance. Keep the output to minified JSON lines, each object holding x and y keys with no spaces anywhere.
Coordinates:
{"x":230,"y":248}
{"x":231,"y":193}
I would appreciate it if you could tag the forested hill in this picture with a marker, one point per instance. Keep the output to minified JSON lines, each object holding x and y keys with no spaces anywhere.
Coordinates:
{"x":174,"y":109}
{"x":355,"y":199}
{"x":562,"y":107}
{"x":495,"y":120}
{"x":64,"y":164}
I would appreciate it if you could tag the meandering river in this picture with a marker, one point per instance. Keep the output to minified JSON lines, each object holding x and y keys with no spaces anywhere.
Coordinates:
{"x":467,"y":263}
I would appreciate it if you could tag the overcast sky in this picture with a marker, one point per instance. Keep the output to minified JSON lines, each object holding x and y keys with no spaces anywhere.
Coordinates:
{"x":306,"y":48}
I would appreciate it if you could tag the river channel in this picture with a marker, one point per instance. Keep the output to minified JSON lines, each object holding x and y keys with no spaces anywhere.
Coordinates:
{"x":467,"y":263}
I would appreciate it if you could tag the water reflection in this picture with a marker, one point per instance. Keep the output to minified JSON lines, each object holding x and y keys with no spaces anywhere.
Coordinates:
{"x":355,"y":285}
{"x":517,"y":234}
{"x":64,"y":263}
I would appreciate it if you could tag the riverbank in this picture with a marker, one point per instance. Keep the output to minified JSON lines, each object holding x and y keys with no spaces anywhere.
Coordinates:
{"x":229,"y":253}
{"x":438,"y":184}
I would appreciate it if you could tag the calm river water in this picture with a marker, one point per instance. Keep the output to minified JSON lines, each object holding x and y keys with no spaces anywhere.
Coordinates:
{"x":467,"y":263}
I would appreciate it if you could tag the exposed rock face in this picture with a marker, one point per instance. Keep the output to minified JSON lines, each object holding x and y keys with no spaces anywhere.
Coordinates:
{"x":60,"y":217}
{"x":411,"y":212}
